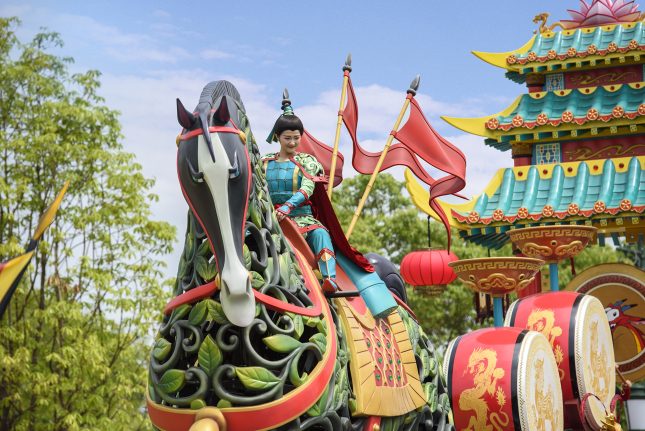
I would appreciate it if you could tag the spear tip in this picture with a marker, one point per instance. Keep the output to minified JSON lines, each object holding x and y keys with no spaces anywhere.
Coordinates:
{"x":348,"y":63}
{"x":285,"y":98}
{"x":414,"y":85}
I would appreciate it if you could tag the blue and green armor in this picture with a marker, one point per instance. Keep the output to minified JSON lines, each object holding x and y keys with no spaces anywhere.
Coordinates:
{"x":290,"y":190}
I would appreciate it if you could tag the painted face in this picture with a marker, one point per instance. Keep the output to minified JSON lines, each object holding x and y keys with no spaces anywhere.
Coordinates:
{"x":289,"y":141}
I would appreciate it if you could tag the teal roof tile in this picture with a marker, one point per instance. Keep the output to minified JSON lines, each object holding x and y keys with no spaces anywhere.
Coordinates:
{"x":630,"y":98}
{"x":532,"y":195}
{"x":556,"y":45}
{"x":554,"y":196}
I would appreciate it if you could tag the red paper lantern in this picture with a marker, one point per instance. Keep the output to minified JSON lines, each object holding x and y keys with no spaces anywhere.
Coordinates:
{"x":428,"y":268}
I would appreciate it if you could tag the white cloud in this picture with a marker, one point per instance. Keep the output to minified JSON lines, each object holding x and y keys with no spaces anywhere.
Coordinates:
{"x":113,"y":41}
{"x":214,"y":54}
{"x":160,"y":13}
{"x":15,"y":10}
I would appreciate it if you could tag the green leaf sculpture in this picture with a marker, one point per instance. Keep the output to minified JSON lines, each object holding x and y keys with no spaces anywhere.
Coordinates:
{"x":256,"y":378}
{"x":172,"y":381}
{"x":210,"y":356}
{"x":282,"y":343}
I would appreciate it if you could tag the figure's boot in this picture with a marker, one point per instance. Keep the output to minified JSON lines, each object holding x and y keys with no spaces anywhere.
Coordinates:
{"x":327,"y":266}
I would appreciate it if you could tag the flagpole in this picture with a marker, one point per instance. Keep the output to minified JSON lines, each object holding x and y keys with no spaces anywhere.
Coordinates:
{"x":411,"y":92}
{"x":347,"y":68}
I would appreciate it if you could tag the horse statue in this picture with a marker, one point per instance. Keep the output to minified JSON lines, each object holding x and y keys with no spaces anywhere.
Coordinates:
{"x":250,"y":341}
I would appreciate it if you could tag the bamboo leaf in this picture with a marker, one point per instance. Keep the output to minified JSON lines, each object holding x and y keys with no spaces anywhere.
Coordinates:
{"x":246,"y":254}
{"x":206,"y":270}
{"x":312,"y":322}
{"x":197,"y":404}
{"x":257,"y":280}
{"x":299,"y":326}
{"x":256,"y":378}
{"x":204,"y":248}
{"x":210,"y":356}
{"x":162,"y":349}
{"x":319,"y":340}
{"x":179,"y":312}
{"x":215,"y":312}
{"x":172,"y":381}
{"x":198,"y":314}
{"x":223,"y":404}
{"x":281,"y":343}
{"x":319,"y":407}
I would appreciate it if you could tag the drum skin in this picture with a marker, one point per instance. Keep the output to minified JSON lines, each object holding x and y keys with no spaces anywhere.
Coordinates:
{"x":577,"y":329}
{"x":503,"y":379}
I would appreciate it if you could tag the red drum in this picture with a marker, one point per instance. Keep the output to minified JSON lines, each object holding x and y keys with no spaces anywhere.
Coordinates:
{"x":577,"y":329}
{"x":503,"y":379}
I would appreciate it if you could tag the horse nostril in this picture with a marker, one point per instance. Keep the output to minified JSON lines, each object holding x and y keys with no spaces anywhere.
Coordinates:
{"x":196,"y":175}
{"x":225,"y":289}
{"x":234,"y":171}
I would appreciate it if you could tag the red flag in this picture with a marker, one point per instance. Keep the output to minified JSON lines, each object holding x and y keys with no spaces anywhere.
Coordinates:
{"x":322,"y":152}
{"x":418,"y":135}
{"x":365,"y":161}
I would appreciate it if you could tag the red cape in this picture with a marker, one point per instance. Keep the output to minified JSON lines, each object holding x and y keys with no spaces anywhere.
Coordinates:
{"x":324,"y":212}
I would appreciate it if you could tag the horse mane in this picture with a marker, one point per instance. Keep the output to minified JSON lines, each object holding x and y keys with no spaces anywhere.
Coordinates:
{"x":216,"y":89}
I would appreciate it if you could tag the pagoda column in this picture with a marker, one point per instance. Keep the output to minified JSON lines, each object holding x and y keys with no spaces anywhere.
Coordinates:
{"x":522,"y":154}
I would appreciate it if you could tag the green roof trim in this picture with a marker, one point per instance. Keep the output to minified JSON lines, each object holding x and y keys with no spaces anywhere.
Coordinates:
{"x":604,"y":39}
{"x":534,"y":199}
{"x":581,"y":105}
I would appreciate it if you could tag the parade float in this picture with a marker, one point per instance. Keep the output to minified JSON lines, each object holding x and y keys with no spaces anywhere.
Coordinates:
{"x":252,"y":341}
{"x":577,"y":143}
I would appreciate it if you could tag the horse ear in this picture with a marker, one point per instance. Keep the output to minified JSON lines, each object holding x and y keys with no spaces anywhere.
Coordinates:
{"x":186,"y":119}
{"x":222,"y":115}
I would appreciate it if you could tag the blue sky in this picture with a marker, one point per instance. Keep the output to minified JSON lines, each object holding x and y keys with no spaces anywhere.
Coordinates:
{"x":150,"y":52}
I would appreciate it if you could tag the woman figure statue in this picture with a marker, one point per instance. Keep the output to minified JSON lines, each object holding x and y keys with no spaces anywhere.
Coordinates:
{"x":295,"y":181}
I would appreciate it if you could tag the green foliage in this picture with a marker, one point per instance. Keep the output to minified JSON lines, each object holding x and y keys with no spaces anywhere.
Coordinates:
{"x":73,"y":343}
{"x":389,"y":224}
{"x":392,"y":226}
{"x":590,"y":256}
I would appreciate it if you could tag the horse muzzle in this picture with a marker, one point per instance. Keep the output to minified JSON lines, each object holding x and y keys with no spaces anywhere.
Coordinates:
{"x":236,"y":294}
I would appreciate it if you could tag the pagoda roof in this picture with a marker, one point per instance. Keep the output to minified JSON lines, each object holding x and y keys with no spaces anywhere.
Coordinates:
{"x":573,"y":110}
{"x":593,"y":191}
{"x":576,"y":48}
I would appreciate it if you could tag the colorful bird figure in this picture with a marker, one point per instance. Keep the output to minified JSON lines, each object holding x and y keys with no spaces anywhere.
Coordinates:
{"x":617,"y":317}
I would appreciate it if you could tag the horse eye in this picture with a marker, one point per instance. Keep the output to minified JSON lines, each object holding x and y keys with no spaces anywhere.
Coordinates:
{"x":234,"y":171}
{"x":195,"y":175}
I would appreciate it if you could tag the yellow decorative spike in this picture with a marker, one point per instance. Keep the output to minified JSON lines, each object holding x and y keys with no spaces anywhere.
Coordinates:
{"x":477,"y":126}
{"x":499,"y":58}
{"x":48,"y":216}
{"x":10,"y":271}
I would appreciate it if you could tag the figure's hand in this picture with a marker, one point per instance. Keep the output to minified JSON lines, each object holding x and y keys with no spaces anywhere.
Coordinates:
{"x":282,"y":211}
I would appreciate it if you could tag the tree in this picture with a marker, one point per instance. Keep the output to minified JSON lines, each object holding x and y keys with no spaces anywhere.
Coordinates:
{"x":73,"y":348}
{"x":391,"y":225}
